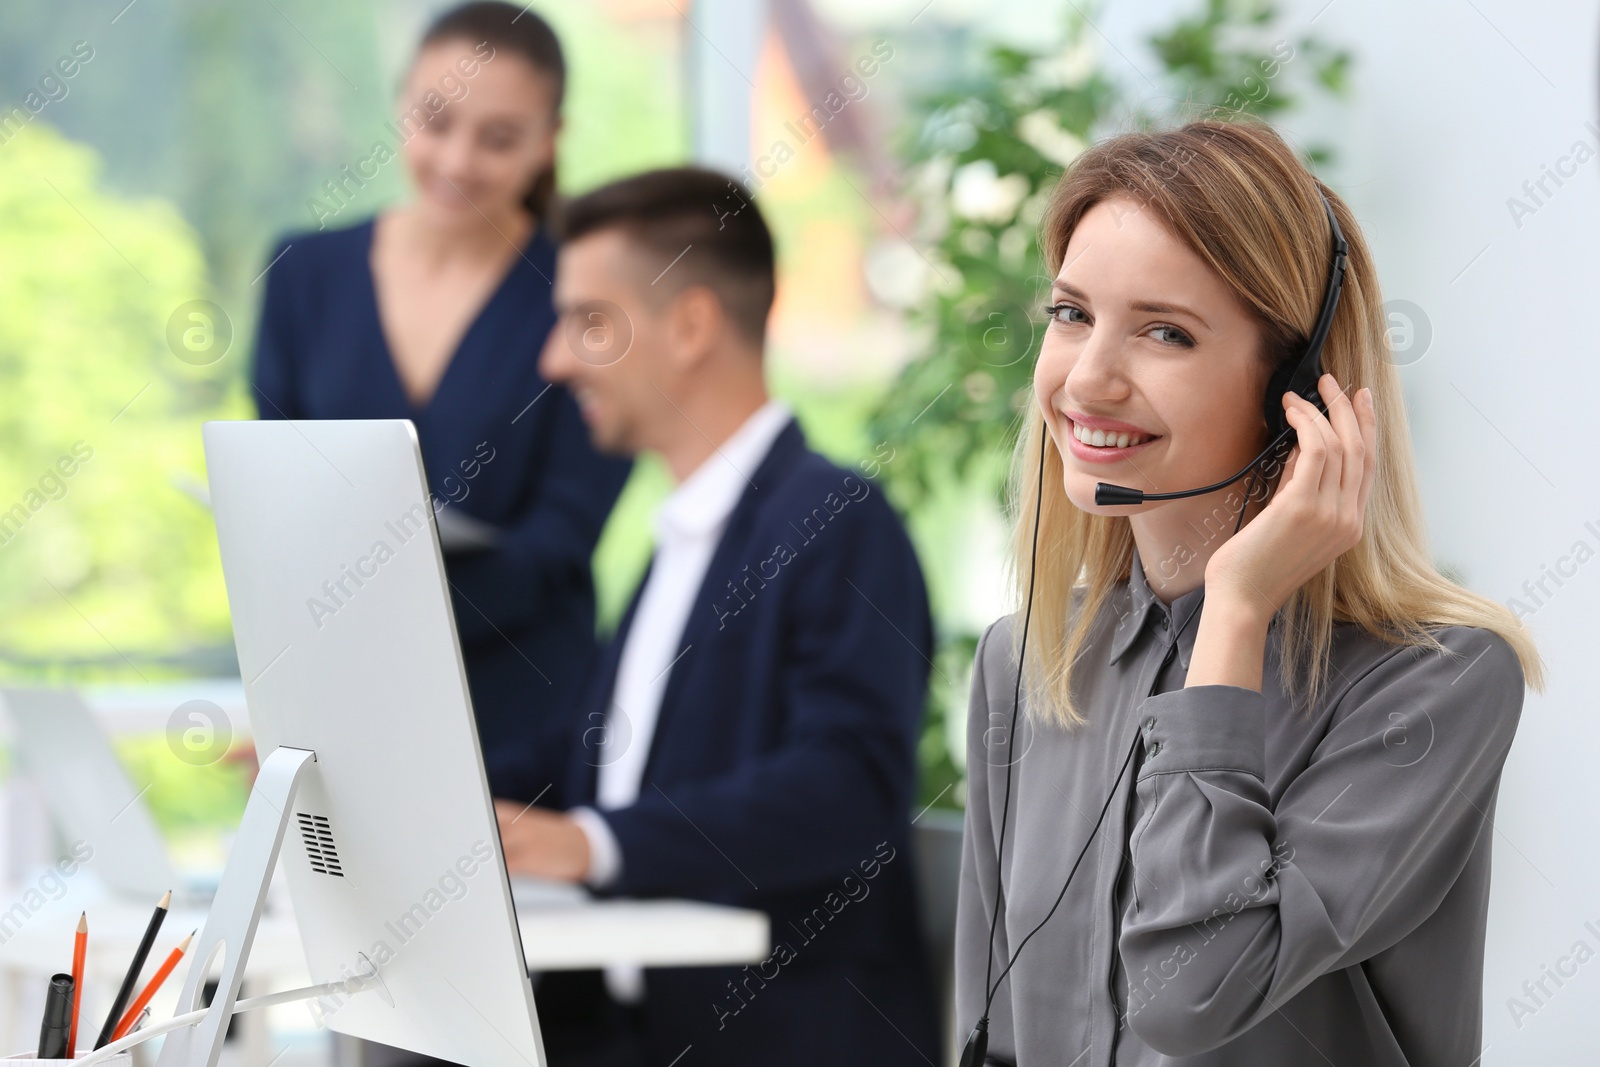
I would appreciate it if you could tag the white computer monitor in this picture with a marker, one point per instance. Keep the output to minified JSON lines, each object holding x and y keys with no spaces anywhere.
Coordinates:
{"x":348,"y":650}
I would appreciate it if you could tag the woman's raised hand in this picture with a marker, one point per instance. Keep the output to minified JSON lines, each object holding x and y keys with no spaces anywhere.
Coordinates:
{"x":1318,"y":512}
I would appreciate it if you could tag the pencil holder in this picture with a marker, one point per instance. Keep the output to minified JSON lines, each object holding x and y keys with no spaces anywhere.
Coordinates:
{"x":121,"y":1059}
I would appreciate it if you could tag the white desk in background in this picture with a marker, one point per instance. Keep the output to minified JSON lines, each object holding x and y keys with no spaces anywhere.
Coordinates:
{"x":562,"y":929}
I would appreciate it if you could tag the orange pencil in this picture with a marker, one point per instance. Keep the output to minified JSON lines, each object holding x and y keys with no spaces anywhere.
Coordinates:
{"x":80,"y":946}
{"x":131,"y":1016}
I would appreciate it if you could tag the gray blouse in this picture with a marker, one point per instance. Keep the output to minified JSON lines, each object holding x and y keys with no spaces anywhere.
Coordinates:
{"x":1268,"y":886}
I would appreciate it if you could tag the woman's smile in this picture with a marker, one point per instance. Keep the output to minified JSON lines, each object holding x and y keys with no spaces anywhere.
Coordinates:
{"x":1100,"y":440}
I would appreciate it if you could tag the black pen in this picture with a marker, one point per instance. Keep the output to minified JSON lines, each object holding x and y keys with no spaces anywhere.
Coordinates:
{"x":120,"y":1005}
{"x":57,"y":1018}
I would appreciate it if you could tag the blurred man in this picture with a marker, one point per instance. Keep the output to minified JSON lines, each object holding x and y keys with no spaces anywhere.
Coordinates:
{"x":750,"y":738}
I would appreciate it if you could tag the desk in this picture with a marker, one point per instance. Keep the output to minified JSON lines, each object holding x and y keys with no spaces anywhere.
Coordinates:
{"x":562,"y":929}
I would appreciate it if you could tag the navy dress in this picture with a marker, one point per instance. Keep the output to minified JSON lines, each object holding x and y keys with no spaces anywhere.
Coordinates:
{"x":500,"y":444}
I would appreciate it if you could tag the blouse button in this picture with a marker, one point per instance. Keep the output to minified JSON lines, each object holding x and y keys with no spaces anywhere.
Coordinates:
{"x":1163,"y":622}
{"x":1155,"y":749}
{"x":1150,"y":724}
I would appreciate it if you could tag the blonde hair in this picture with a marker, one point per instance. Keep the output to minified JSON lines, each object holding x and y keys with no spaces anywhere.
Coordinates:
{"x":1240,"y":199}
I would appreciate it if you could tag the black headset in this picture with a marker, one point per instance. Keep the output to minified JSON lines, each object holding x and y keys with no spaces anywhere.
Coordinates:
{"x":1300,"y":378}
{"x":1297,"y":377}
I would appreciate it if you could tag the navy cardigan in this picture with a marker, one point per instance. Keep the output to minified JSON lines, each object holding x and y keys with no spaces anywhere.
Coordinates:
{"x":500,"y":444}
{"x":781,"y":776}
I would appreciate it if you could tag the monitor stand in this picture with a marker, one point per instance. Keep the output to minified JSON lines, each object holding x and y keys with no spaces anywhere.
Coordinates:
{"x":235,"y":912}
{"x":195,"y":1033}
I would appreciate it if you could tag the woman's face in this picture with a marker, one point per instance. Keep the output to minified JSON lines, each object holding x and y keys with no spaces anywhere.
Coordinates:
{"x":1150,"y":356}
{"x":481,"y":126}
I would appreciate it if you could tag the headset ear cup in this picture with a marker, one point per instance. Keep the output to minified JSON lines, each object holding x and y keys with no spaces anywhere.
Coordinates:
{"x":1272,"y":405}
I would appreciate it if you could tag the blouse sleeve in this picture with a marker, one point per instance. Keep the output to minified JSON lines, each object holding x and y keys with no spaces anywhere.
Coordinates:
{"x":976,"y":901}
{"x":1240,"y":903}
{"x":273,"y":376}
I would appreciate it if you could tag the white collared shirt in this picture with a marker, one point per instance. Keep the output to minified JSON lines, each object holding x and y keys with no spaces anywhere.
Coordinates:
{"x":689,"y":526}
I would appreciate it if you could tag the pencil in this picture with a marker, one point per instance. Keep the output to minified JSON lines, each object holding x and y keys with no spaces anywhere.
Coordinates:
{"x":139,"y":956}
{"x":131,"y":1016}
{"x":80,"y":947}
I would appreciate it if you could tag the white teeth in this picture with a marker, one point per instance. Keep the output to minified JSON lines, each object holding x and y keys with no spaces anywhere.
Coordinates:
{"x":1102,"y":439}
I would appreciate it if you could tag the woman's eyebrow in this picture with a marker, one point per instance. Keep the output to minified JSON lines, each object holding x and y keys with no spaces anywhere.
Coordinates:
{"x":1137,"y":305}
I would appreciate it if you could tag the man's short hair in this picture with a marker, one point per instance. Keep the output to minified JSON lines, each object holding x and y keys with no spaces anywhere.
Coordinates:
{"x":694,"y":226}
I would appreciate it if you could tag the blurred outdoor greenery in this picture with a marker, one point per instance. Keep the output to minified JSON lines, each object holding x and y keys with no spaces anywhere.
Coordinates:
{"x":197,"y":132}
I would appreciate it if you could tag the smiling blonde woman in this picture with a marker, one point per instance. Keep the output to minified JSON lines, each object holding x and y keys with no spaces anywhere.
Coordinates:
{"x":1245,"y":817}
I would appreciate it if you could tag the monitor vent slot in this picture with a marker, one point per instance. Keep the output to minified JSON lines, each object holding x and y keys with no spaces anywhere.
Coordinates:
{"x":320,"y":850}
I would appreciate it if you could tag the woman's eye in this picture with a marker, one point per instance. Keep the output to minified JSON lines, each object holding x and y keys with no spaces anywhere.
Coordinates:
{"x":498,"y":138}
{"x":1056,"y":311}
{"x":1178,"y":337}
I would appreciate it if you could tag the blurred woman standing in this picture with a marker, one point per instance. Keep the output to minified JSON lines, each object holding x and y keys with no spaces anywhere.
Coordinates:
{"x":435,"y":311}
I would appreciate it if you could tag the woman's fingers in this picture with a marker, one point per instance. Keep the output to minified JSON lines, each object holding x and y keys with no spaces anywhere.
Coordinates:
{"x":1307,"y":462}
{"x":1333,"y":470}
{"x":1319,"y":446}
{"x":1343,"y":448}
{"x":1342,"y":416}
{"x":1288,"y":467}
